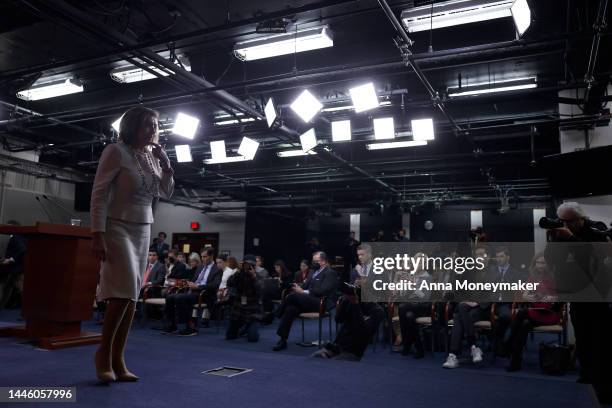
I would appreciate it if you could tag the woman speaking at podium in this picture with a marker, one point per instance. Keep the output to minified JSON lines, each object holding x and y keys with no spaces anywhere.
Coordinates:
{"x":132,"y":174}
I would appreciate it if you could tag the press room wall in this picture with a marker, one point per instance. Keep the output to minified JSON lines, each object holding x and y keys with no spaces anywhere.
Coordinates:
{"x":230,"y":226}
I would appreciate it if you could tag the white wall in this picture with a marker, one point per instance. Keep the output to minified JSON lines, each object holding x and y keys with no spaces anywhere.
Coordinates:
{"x":572,"y":140}
{"x":229,"y":225}
{"x":598,"y":208}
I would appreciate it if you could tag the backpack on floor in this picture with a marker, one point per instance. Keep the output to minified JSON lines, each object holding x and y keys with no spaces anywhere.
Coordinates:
{"x":555,"y":359}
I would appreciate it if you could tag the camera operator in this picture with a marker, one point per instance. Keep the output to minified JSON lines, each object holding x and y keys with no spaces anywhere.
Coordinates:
{"x":592,"y":320}
{"x":245,"y":291}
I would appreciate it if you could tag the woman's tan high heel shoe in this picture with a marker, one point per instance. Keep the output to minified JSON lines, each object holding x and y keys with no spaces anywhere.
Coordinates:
{"x":103,"y":375}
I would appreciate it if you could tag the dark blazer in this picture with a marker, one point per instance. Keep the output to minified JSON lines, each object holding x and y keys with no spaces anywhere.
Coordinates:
{"x":511,"y":275}
{"x":324,"y":284}
{"x":15,"y":249}
{"x":179,"y":271}
{"x":158,"y":274}
{"x":212,"y":281}
{"x":160,"y":250}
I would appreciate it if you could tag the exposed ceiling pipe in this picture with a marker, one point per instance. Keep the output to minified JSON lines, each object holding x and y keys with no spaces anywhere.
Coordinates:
{"x":599,"y":26}
{"x":120,"y":39}
{"x":404,"y":45}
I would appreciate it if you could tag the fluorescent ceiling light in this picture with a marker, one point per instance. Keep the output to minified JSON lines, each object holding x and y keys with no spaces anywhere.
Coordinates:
{"x":306,"y":106}
{"x":294,"y":153}
{"x":422,"y":129}
{"x":270,"y":112}
{"x":185,"y":125}
{"x":521,"y":13}
{"x":50,"y":89}
{"x":217,"y":149}
{"x":395,"y":145}
{"x":283,"y":44}
{"x":233,"y":159}
{"x":183,"y":153}
{"x":364,"y":97}
{"x":492,"y":87}
{"x":384,"y":128}
{"x":248,"y":148}
{"x":117,"y":124}
{"x":131,"y":73}
{"x":308,"y":140}
{"x":341,"y":130}
{"x":233,"y":121}
{"x":457,"y":12}
{"x":350,"y":107}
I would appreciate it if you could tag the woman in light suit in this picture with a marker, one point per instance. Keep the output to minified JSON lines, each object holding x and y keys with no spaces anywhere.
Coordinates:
{"x":132,"y":174}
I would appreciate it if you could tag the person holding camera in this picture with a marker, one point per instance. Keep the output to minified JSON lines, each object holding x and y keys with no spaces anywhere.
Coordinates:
{"x":245,"y":288}
{"x":591,"y":320}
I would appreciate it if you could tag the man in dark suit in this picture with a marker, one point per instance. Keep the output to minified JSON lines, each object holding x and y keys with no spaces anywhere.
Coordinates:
{"x":207,"y":278}
{"x":11,"y":271}
{"x":322,"y":281}
{"x":358,"y":320}
{"x":155,"y":273}
{"x":176,"y":268}
{"x":502,"y":272}
{"x":161,"y":247}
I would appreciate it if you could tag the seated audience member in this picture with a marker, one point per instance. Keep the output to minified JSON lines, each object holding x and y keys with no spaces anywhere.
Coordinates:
{"x":245,"y":309}
{"x":207,"y":280}
{"x":194,"y":264}
{"x":229,"y":266}
{"x":181,"y":257}
{"x":282,"y":273}
{"x":465,"y":314}
{"x":154,"y":275}
{"x":502,"y":272}
{"x":302,"y":274}
{"x":358,"y":320}
{"x":464,"y":317}
{"x":11,"y":270}
{"x":417,"y":306}
{"x":176,"y":268}
{"x":538,"y":312}
{"x":261,"y":271}
{"x":322,"y":282}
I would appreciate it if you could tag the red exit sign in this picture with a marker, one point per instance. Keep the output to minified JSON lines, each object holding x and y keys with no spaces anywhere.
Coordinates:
{"x":195,"y":226}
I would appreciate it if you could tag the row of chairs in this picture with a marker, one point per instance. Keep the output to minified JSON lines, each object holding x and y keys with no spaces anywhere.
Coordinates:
{"x":440,"y":321}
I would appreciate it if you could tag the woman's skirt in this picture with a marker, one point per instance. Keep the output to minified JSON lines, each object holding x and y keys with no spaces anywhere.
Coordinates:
{"x":127,"y":246}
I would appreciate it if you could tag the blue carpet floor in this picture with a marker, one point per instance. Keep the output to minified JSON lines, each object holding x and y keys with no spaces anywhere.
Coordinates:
{"x":170,"y":369}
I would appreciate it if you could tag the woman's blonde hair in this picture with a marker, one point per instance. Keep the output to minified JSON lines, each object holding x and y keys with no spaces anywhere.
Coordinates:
{"x":132,"y":121}
{"x":195,"y":257}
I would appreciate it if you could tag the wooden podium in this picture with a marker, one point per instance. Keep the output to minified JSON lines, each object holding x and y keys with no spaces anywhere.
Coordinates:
{"x":59,"y":286}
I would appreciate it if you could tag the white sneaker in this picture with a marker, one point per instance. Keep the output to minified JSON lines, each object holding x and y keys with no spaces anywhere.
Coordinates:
{"x":451,"y":361}
{"x":476,"y":355}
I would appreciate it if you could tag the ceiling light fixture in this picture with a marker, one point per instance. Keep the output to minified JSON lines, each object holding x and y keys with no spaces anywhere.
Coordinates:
{"x":294,"y":153}
{"x":458,"y":12}
{"x":422,"y":129}
{"x":364,"y":97}
{"x":185,"y":125}
{"x":183,"y":153}
{"x":395,"y":145}
{"x":493,"y":87}
{"x":248,"y":148}
{"x":283,"y":44}
{"x":306,"y":106}
{"x":130,"y":73}
{"x":270,"y":112}
{"x":384,"y":128}
{"x":308,"y":140}
{"x":341,"y":130}
{"x":50,"y":89}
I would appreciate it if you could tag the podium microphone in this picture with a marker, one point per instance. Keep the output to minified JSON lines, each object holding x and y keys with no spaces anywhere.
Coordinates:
{"x":44,"y":209}
{"x":61,"y":207}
